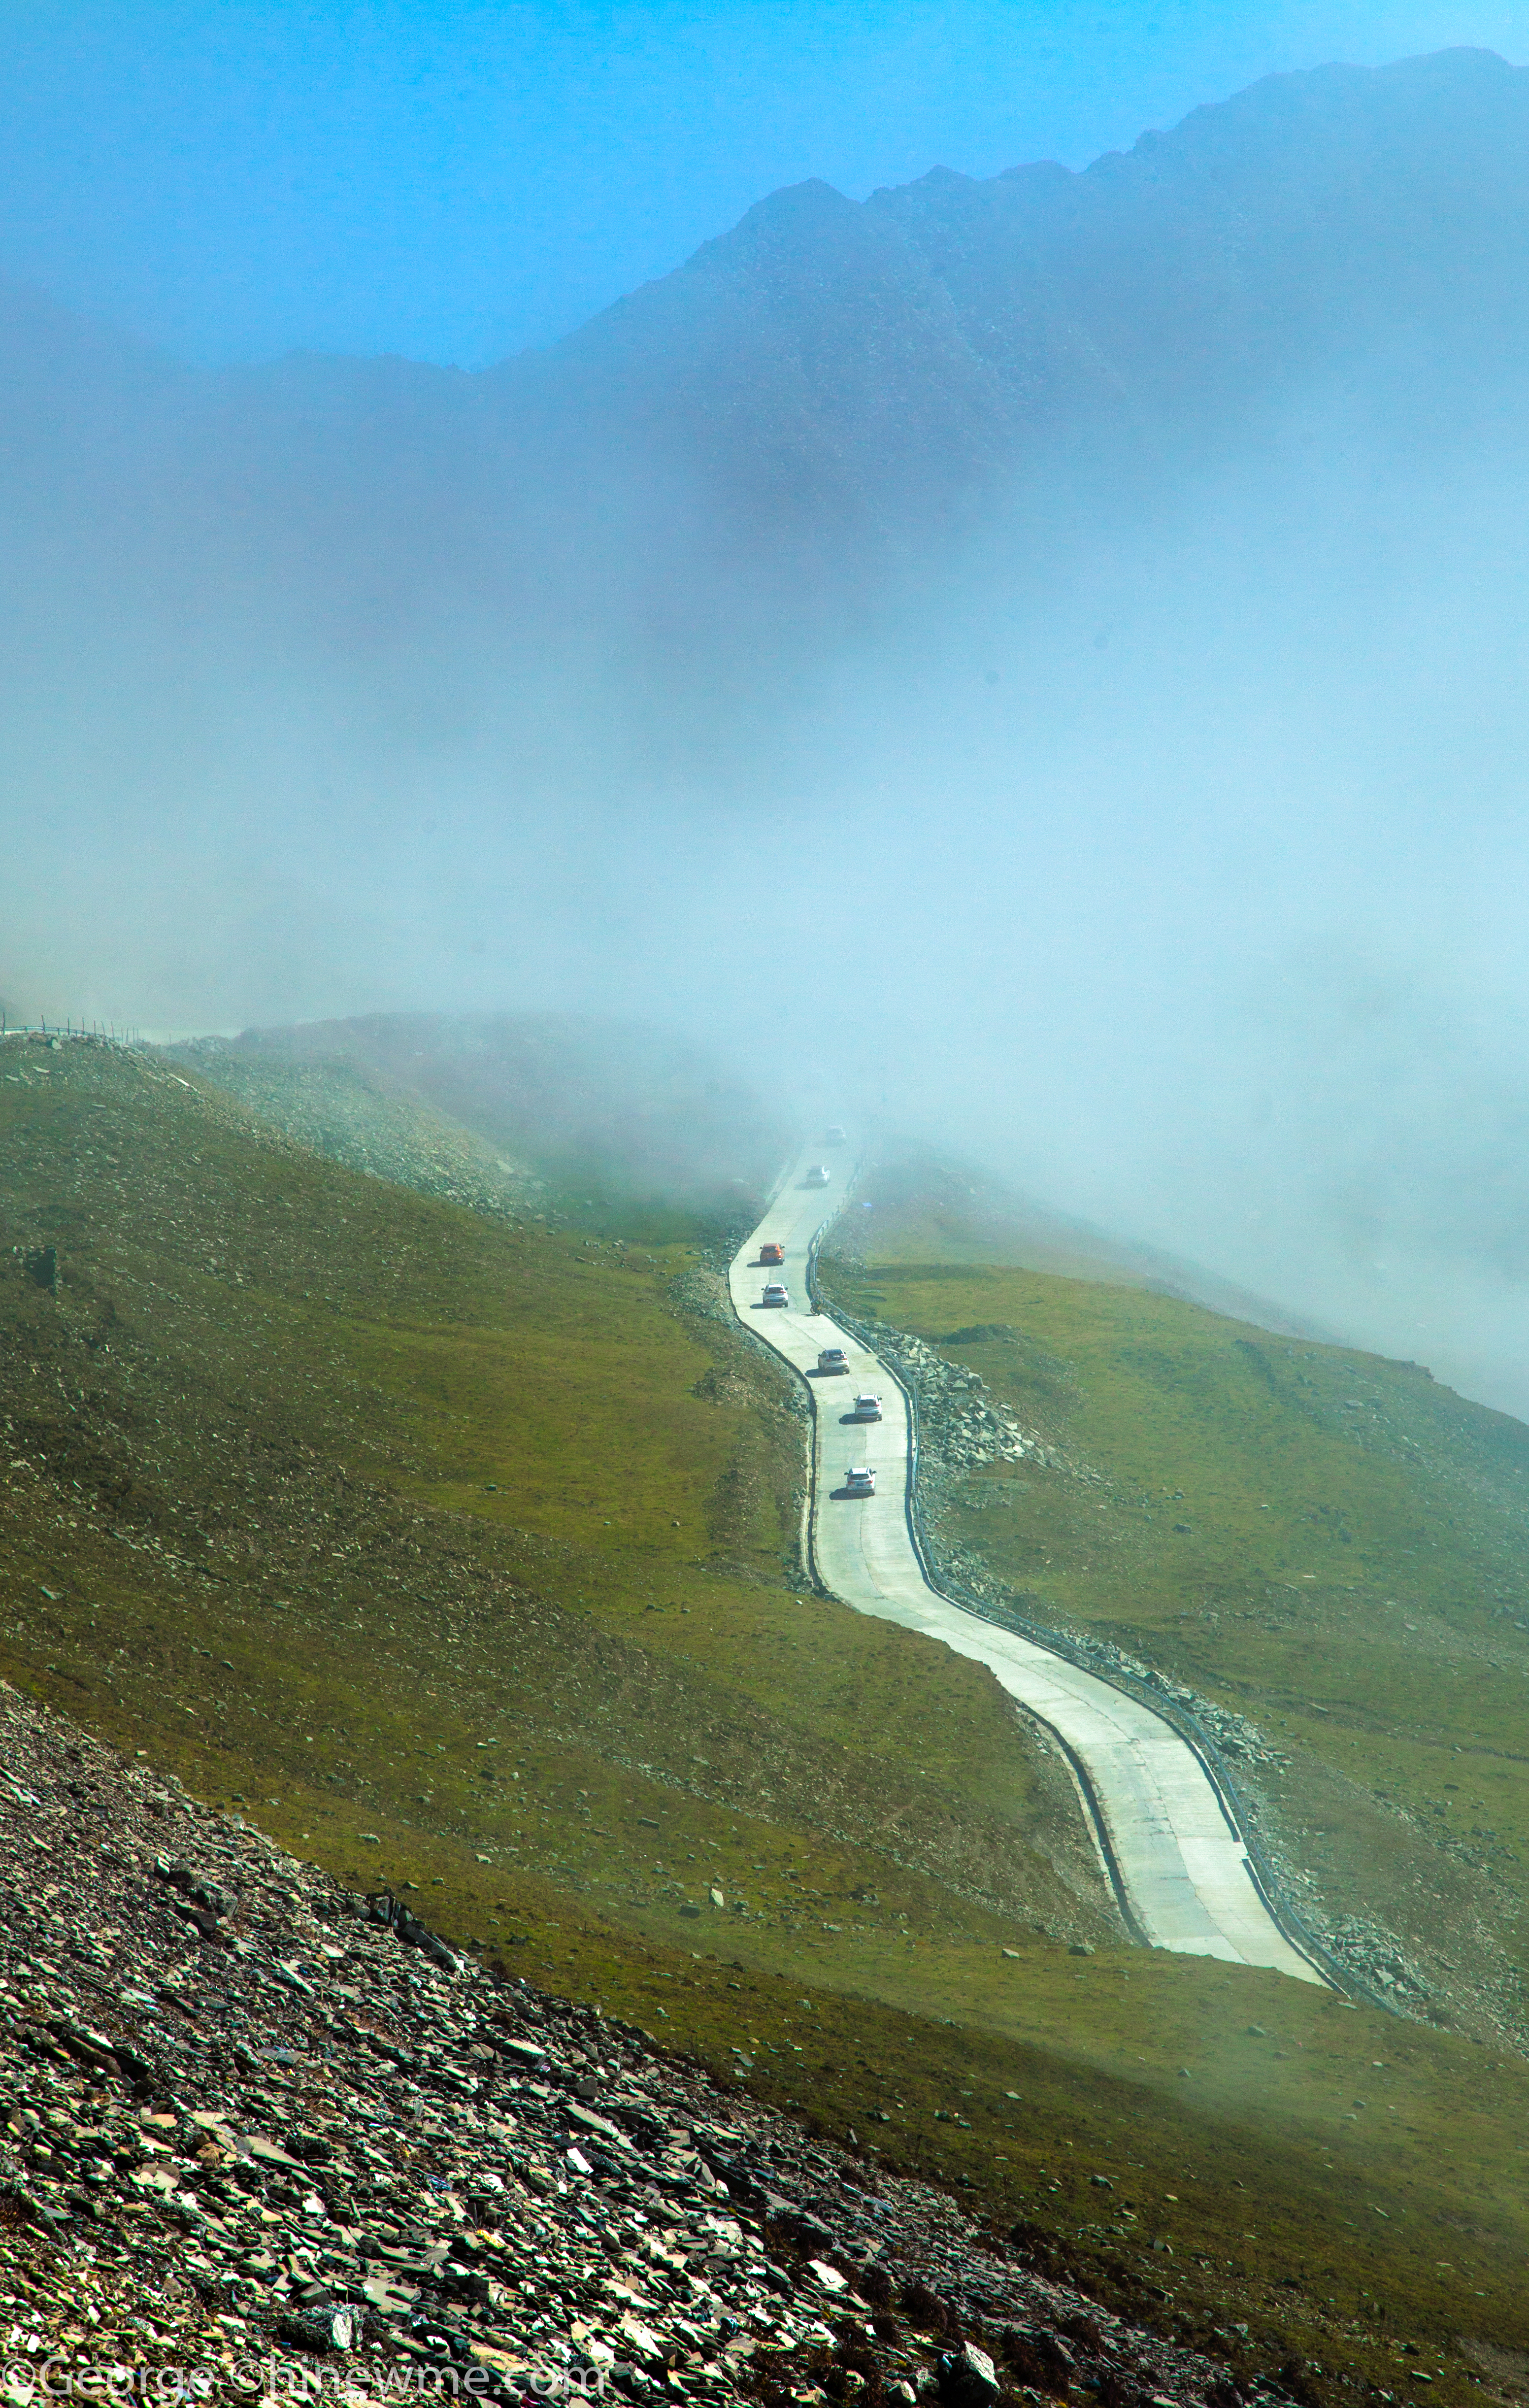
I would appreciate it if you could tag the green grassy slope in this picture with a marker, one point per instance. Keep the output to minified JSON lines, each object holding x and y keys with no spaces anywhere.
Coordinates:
{"x":609,"y":1112}
{"x":392,"y":1443}
{"x":345,"y":1108}
{"x":1327,"y":1543}
{"x":928,"y":1209}
{"x":462,"y":1555}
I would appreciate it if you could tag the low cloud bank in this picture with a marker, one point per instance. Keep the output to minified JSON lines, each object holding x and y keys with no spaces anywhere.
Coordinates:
{"x":1116,"y":776}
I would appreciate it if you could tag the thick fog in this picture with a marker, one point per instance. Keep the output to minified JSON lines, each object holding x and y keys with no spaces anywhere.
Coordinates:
{"x":1156,"y":841}
{"x":1177,"y":874}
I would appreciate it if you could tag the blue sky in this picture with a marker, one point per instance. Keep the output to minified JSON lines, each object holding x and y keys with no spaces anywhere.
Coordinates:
{"x":458,"y":182}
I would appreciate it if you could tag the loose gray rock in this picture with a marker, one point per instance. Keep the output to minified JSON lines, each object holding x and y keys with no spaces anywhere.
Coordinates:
{"x":332,"y":2134}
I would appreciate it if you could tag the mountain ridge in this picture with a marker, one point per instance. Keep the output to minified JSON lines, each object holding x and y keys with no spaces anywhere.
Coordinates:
{"x":828,"y":355}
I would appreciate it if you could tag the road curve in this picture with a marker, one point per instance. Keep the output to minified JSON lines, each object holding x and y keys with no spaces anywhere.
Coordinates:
{"x":1169,"y":1842}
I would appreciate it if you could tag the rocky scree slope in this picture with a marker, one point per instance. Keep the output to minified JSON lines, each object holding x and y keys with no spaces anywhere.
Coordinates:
{"x":631,"y":1112}
{"x":249,"y":2113}
{"x":353,"y":1114}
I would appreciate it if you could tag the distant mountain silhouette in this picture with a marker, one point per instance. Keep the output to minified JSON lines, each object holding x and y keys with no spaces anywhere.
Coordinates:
{"x":825,"y":359}
{"x":813,"y":395}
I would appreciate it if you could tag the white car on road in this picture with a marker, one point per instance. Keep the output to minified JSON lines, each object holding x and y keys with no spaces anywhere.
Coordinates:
{"x":818,"y":1176}
{"x":775,"y":1292}
{"x":833,"y":1358}
{"x":860,"y":1481}
{"x":866,"y":1409}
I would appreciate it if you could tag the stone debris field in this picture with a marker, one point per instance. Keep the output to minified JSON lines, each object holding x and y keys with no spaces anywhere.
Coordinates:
{"x":253,"y":2120}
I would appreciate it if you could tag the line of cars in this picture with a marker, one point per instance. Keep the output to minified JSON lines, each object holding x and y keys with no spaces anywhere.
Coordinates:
{"x":834,"y":1362}
{"x":775,"y":1293}
{"x":859,"y":1479}
{"x":772,"y":1252}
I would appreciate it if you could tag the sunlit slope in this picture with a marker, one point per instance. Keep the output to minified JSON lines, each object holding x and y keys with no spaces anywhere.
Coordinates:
{"x":407,"y":1447}
{"x":1328,"y":1543}
{"x":457,"y":1555}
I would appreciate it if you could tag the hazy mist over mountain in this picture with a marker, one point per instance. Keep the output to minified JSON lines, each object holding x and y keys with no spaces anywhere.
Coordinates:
{"x":1049,"y":652}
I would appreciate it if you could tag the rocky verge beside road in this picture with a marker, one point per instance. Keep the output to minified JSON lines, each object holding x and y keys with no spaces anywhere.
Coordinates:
{"x":251,"y":2119}
{"x":962,"y":1426}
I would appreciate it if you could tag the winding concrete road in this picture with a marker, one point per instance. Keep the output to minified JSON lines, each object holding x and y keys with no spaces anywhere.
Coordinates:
{"x":1168,"y":1840}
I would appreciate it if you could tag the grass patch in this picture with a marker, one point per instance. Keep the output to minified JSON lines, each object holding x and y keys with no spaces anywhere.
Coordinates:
{"x":461,"y":1555}
{"x":1328,"y":1543}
